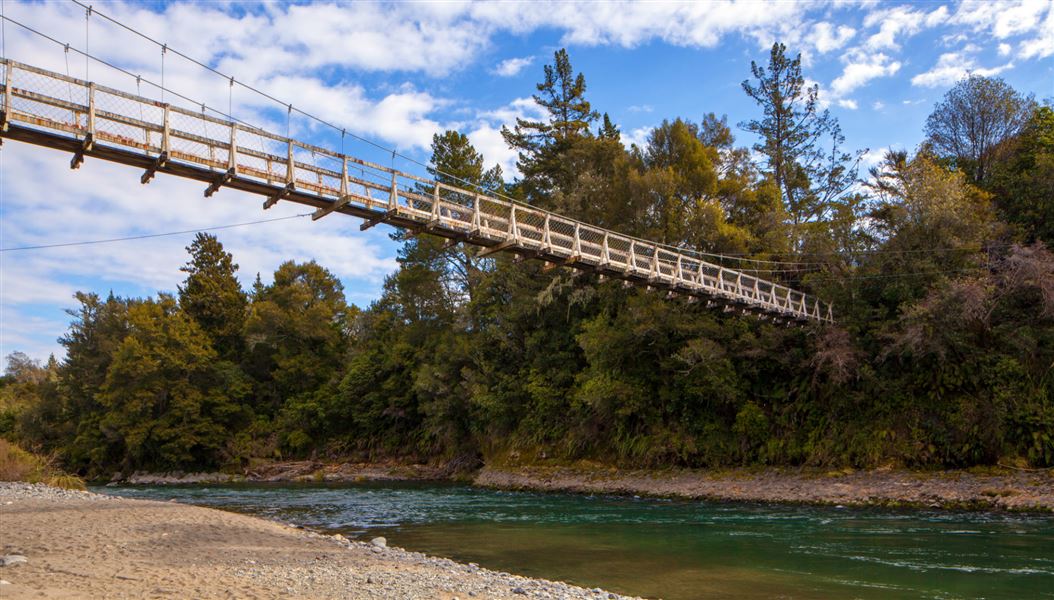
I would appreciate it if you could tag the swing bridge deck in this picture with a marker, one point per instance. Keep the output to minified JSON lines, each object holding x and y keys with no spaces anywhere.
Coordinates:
{"x":57,"y":111}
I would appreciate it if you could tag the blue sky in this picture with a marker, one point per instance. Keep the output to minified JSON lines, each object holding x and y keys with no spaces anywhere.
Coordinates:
{"x":396,"y":73}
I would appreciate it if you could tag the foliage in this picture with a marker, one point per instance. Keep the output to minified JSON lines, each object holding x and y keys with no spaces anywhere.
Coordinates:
{"x":540,"y":144}
{"x":167,"y":402}
{"x":972,"y":125}
{"x":18,"y":465}
{"x":802,"y":145}
{"x":942,"y":284}
{"x":1023,"y":184}
{"x":212,"y":296}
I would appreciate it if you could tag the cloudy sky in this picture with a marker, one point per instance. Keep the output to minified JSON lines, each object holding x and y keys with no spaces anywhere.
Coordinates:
{"x":395,"y":73}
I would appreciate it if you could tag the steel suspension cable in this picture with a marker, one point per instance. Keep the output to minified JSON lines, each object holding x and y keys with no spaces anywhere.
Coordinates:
{"x":688,"y":251}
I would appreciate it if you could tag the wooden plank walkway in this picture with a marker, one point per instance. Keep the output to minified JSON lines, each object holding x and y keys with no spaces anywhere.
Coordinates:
{"x":88,"y":120}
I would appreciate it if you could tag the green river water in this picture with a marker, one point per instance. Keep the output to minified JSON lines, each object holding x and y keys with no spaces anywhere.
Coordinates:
{"x":673,"y":549}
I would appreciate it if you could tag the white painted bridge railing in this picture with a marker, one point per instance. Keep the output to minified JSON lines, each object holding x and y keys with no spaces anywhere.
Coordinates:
{"x":51,"y":109}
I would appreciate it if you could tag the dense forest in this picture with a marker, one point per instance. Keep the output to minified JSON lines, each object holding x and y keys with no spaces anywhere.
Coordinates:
{"x":942,"y":355}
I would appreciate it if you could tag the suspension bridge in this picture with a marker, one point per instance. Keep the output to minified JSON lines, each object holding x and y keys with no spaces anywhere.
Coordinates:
{"x":89,"y":120}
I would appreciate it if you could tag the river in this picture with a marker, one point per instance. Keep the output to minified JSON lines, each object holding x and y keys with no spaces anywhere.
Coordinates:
{"x":672,"y":549}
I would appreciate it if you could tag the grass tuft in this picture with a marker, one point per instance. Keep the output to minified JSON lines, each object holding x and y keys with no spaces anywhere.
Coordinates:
{"x":17,"y":464}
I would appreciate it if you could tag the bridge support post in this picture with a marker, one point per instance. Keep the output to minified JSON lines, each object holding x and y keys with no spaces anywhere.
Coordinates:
{"x":290,"y":166}
{"x":514,"y":229}
{"x":232,"y":151}
{"x":576,"y":247}
{"x":547,"y":239}
{"x":476,"y":213}
{"x":89,"y":137}
{"x":6,"y":113}
{"x":162,"y":158}
{"x":165,"y":138}
{"x":436,"y":207}
{"x":341,"y":202}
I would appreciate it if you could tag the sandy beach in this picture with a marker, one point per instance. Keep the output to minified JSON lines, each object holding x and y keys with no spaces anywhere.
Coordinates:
{"x":85,"y":545}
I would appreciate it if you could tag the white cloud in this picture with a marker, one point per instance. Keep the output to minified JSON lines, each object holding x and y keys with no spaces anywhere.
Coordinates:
{"x":488,"y":141}
{"x":315,"y":55}
{"x":282,"y":38}
{"x":641,"y":108}
{"x":1042,"y":45}
{"x":400,"y":118}
{"x":485,"y":132}
{"x":873,"y":157}
{"x":898,"y":23}
{"x":1003,"y":19}
{"x":510,"y":67}
{"x":630,"y":24}
{"x":523,"y":108}
{"x":824,"y":97}
{"x":825,"y":37}
{"x":20,"y":331}
{"x":862,"y":68}
{"x":951,"y":67}
{"x":102,"y":200}
{"x":638,"y":137}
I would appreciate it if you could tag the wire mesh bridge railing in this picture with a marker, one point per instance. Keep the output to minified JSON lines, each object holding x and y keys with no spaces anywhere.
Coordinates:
{"x":58,"y":111}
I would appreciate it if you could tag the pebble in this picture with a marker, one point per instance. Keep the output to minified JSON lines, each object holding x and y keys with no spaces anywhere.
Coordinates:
{"x":17,"y":490}
{"x":390,"y":572}
{"x":11,"y":560}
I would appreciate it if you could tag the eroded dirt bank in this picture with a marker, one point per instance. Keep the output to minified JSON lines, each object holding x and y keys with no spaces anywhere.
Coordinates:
{"x":951,"y":489}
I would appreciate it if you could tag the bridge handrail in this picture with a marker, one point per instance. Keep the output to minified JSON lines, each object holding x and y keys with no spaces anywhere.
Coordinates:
{"x":101,"y":114}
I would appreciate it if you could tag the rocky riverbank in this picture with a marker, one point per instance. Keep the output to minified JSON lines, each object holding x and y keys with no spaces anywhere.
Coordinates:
{"x":294,"y":471}
{"x":66,"y":544}
{"x":1004,"y":489}
{"x":1019,"y":491}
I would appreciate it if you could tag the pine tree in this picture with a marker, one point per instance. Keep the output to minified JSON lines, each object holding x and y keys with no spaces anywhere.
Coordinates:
{"x":212,"y":296}
{"x":608,"y":130}
{"x":802,"y":145}
{"x":541,"y":144}
{"x":455,"y":268}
